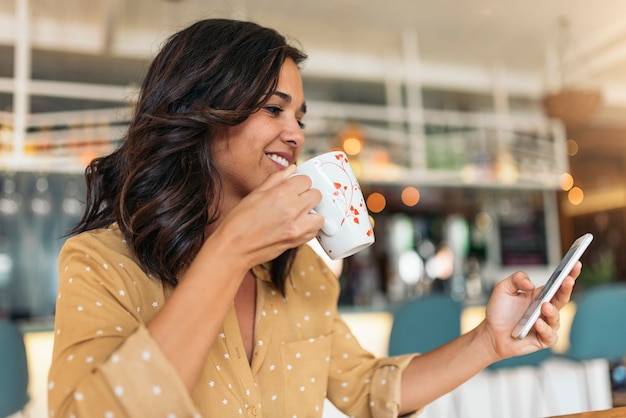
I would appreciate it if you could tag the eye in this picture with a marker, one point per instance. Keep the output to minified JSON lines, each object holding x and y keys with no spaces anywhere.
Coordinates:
{"x":273,"y":110}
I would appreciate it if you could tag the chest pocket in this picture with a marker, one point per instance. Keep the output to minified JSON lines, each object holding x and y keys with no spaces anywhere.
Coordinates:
{"x":305,"y":369}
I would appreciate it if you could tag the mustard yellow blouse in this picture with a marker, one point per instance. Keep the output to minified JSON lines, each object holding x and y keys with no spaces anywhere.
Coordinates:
{"x":105,"y":363}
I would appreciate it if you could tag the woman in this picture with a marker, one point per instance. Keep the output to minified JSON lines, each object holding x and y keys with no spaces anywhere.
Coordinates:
{"x":188,"y":289}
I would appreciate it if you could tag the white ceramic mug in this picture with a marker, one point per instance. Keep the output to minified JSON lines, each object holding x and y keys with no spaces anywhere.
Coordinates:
{"x":347,"y":228}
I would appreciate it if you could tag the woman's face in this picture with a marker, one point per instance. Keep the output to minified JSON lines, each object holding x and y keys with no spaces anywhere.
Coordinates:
{"x":269,"y":140}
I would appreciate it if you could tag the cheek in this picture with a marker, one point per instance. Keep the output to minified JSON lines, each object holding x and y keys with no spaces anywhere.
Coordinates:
{"x":243,"y":144}
{"x":221,"y":154}
{"x":224,"y":160}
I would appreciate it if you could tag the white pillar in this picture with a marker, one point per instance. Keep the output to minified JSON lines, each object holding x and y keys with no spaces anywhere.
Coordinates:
{"x":553,"y":230}
{"x":501,"y":104}
{"x":393,"y":96}
{"x":415,"y":108}
{"x":554,"y":82}
{"x":21,"y":77}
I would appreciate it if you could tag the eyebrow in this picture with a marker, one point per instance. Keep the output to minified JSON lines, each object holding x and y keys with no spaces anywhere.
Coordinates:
{"x":287,"y":98}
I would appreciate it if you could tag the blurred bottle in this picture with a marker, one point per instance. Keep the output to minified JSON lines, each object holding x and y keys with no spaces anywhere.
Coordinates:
{"x":10,"y":209}
{"x":457,"y":236}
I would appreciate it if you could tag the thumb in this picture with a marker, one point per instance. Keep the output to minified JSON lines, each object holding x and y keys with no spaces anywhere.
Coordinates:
{"x":278,"y":177}
{"x":519,"y":281}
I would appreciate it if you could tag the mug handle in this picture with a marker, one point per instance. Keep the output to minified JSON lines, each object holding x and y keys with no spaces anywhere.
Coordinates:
{"x":329,"y":228}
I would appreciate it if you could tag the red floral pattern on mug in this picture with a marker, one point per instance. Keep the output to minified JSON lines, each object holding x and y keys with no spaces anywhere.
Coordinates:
{"x":346,"y":192}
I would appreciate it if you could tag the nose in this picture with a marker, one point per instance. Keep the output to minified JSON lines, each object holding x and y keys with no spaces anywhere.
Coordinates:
{"x":293,"y":134}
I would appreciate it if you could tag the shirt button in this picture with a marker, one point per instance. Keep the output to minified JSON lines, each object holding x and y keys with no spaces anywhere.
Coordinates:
{"x":254,"y":411}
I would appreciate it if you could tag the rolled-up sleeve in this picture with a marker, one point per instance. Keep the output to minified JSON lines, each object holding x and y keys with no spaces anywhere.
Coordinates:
{"x":385,"y":387}
{"x":360,"y":384}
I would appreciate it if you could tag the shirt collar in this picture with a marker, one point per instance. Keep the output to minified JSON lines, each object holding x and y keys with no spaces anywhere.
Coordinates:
{"x":262,"y":272}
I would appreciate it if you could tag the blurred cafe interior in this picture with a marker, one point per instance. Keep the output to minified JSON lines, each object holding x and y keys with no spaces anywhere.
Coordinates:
{"x":486,"y":136}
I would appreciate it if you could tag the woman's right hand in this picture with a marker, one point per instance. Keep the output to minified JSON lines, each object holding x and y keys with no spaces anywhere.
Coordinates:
{"x":273,"y":218}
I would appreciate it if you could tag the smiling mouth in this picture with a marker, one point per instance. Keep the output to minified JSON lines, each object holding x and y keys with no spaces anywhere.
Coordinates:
{"x":278,"y":159}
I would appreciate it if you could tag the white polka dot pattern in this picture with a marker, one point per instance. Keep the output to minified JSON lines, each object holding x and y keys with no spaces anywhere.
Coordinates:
{"x":106,"y":364}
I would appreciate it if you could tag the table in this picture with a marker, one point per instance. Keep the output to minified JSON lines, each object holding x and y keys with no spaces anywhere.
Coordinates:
{"x":607,"y":413}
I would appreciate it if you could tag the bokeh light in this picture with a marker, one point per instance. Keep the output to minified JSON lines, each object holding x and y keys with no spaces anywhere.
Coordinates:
{"x":410,"y":196}
{"x":483,"y":221}
{"x":352,"y":146}
{"x":575,"y":196}
{"x":376,"y":202}
{"x":410,"y":267}
{"x":441,"y":265}
{"x":567,"y":181}
{"x":571,"y":147}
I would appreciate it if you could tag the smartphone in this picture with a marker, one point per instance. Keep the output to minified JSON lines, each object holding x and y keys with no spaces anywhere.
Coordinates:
{"x":552,"y":285}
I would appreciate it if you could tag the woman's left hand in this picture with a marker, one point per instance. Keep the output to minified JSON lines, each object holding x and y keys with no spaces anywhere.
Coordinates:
{"x":508,"y":302}
{"x":428,"y":375}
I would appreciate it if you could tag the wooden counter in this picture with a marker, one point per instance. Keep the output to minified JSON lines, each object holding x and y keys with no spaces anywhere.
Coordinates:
{"x":607,"y":413}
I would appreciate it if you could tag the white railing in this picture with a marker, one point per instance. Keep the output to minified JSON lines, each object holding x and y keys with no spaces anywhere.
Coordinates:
{"x":450,"y":148}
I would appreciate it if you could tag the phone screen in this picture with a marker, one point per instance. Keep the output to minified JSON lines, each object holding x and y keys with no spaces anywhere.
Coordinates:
{"x":554,"y":282}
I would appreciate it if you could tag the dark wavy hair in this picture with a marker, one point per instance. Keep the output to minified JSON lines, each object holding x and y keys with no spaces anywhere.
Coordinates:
{"x":160,"y":185}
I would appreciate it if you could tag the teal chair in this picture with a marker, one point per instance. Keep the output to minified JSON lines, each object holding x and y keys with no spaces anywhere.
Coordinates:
{"x":13,"y":369}
{"x":424,"y":323}
{"x":599,"y":324}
